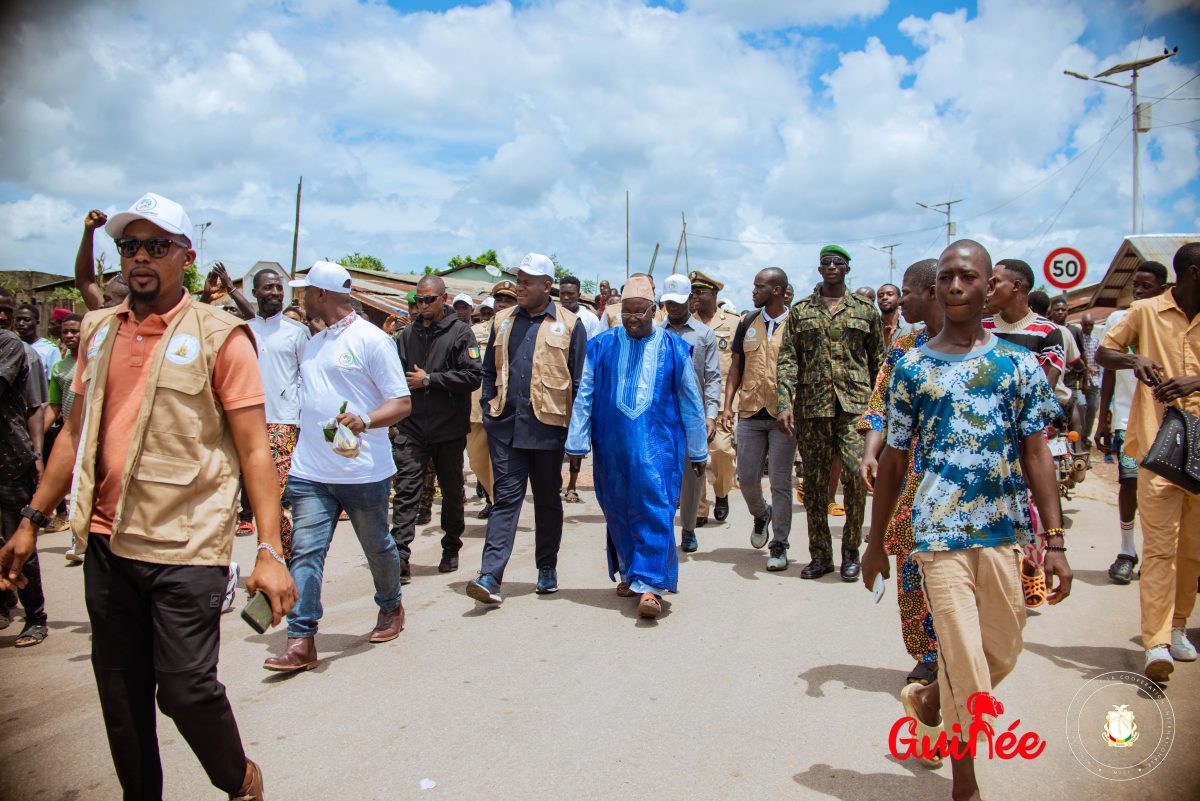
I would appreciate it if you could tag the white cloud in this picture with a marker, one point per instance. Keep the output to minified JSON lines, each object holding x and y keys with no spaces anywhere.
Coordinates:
{"x":785,"y":13}
{"x":424,"y":135}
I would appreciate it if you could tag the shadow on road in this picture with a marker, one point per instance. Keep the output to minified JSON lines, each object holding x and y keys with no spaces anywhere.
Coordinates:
{"x":855,"y":677}
{"x":1097,"y":578}
{"x":922,"y":783}
{"x":1088,"y":661}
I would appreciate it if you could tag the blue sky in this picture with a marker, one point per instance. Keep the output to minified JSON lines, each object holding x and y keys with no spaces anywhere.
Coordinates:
{"x":434,"y":129}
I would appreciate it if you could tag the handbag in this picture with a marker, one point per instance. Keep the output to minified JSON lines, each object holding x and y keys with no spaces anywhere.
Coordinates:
{"x":1175,"y":454}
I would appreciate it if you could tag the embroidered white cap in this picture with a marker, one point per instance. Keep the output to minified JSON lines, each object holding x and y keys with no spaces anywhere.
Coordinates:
{"x":462,"y":297}
{"x":677,"y":289}
{"x":325,"y":275}
{"x":166,"y":214}
{"x":536,"y":264}
{"x":489,"y":303}
{"x":727,"y":305}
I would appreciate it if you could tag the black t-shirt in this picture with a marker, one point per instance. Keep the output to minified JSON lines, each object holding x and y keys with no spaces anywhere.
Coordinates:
{"x":739,"y":337}
{"x":16,"y":449}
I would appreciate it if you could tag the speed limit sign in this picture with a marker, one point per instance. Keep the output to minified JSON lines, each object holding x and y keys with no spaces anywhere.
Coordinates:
{"x":1065,"y":268}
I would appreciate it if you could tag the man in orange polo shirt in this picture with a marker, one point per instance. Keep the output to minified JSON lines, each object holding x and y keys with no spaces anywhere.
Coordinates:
{"x":169,"y":412}
{"x":1159,"y":339}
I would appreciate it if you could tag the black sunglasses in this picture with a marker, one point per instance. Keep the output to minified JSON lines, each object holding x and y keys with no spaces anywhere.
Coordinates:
{"x":156,"y":246}
{"x":828,"y":260}
{"x":425,"y":298}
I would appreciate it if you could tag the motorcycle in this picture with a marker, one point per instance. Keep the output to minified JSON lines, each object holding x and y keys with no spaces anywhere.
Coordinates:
{"x":1070,"y":466}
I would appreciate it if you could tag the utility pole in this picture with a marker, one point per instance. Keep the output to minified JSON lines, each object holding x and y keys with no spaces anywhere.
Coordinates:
{"x":891,"y":251}
{"x":950,"y":230}
{"x":1141,"y":111}
{"x":681,"y":246}
{"x":296,"y":227}
{"x":203,"y":227}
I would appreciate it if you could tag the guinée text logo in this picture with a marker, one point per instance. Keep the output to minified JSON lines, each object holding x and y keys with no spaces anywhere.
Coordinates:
{"x":904,"y":742}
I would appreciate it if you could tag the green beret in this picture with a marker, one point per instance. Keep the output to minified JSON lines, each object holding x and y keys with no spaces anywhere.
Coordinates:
{"x":836,"y":249}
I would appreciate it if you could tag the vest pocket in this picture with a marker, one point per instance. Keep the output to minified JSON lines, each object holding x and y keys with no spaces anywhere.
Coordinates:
{"x":164,"y":505}
{"x":557,"y":392}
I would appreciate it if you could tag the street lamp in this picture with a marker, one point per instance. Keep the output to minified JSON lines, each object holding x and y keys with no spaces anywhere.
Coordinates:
{"x":1141,"y":111}
{"x":203,"y":227}
{"x":949,"y":223}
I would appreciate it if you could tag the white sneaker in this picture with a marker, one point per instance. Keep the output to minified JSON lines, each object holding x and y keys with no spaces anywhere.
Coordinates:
{"x":1159,"y":663}
{"x":1182,"y":648}
{"x":230,"y":587}
{"x":73,"y":555}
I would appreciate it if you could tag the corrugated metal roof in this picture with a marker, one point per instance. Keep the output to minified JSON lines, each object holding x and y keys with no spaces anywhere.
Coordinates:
{"x":1114,"y":290}
{"x":388,"y":304}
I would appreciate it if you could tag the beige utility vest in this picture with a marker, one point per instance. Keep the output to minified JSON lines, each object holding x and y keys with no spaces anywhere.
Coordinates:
{"x":550,"y":383}
{"x":481,"y":331}
{"x":179,"y":487}
{"x":760,"y":357}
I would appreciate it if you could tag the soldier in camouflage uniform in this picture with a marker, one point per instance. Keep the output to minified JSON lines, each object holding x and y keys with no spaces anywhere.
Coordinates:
{"x":832,"y":350}
{"x":720,"y":448}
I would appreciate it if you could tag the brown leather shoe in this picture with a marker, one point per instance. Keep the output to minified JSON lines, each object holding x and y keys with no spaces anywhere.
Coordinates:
{"x":388,"y":625}
{"x":252,"y":790}
{"x":299,"y":654}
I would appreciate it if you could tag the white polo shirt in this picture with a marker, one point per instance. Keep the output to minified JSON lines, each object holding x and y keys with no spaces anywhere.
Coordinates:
{"x":1123,"y":386}
{"x":281,"y":342}
{"x":591,"y":323}
{"x":354,"y":362}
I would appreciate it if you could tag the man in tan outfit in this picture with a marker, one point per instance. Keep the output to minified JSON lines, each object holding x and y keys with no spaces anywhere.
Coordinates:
{"x":720,"y":447}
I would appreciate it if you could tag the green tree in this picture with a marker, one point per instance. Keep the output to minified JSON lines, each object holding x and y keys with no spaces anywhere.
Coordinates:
{"x":485,"y":258}
{"x":192,"y":280}
{"x":362,"y":261}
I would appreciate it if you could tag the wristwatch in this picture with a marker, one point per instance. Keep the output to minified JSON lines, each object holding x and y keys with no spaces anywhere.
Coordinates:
{"x":425,"y":381}
{"x":366,"y":420}
{"x":39,"y":519}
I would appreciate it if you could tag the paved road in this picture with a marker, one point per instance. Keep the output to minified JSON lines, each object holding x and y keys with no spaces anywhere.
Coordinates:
{"x":754,"y":685}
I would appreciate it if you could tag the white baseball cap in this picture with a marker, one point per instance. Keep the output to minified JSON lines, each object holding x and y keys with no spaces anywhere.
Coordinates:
{"x":325,"y":275}
{"x":727,"y":305}
{"x":677,"y":289}
{"x":166,"y":214}
{"x":489,"y":302}
{"x":462,"y":297}
{"x":536,"y":264}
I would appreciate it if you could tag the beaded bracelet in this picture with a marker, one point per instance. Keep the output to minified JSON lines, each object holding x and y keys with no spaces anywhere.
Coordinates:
{"x":1057,"y":548}
{"x":1054,"y":532}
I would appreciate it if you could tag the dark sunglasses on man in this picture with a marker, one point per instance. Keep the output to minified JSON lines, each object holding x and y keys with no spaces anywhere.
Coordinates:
{"x":425,"y":299}
{"x":156,"y":246}
{"x":828,"y":260}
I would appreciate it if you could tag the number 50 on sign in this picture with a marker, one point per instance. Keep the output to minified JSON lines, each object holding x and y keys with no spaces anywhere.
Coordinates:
{"x":1065,"y":268}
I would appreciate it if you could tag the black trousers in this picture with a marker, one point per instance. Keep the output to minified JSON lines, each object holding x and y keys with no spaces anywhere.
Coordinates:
{"x":411,"y":456}
{"x":14,"y":496}
{"x":512,"y":468}
{"x":157,"y":628}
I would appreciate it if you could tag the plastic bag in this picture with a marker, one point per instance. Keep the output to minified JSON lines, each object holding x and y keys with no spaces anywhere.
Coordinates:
{"x":346,"y":442}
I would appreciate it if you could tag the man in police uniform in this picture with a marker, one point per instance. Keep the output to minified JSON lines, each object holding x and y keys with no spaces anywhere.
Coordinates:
{"x":531,"y":371}
{"x":720,"y":447}
{"x":504,"y":296}
{"x":833,"y":340}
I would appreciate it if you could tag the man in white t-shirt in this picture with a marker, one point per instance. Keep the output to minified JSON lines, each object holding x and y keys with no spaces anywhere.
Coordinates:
{"x":568,"y":296}
{"x":281,"y":342}
{"x":1116,"y":387}
{"x":350,"y":372}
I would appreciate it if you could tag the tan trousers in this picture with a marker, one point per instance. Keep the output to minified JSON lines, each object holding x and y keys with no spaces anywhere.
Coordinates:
{"x":1170,"y":556}
{"x":720,"y":467}
{"x":479,"y":458}
{"x":979,"y":611}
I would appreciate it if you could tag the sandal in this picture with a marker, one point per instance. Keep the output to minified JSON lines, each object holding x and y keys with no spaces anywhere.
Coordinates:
{"x":837,"y":510}
{"x":624,"y":591}
{"x":923,"y":729}
{"x":649,"y":607}
{"x":1034,"y":586}
{"x":32,"y":635}
{"x":800,"y":492}
{"x":924,"y":674}
{"x":571,"y":496}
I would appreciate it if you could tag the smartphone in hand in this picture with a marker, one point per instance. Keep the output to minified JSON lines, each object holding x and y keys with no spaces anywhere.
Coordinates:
{"x":877,"y":588}
{"x":257,"y":612}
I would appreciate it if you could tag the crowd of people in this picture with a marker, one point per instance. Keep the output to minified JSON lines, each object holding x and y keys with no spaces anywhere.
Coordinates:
{"x":175,"y":425}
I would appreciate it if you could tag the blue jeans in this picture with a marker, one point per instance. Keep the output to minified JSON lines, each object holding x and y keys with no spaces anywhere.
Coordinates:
{"x":315,"y":510}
